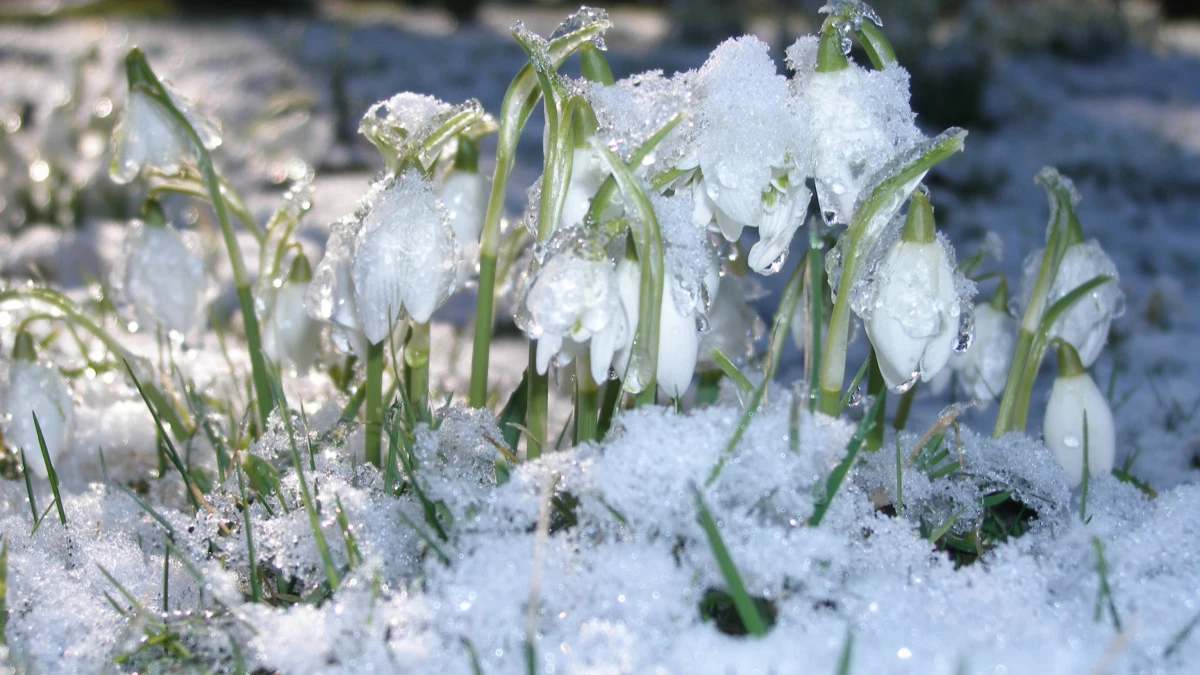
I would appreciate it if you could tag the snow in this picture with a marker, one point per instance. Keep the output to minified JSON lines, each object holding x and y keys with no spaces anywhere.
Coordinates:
{"x":622,"y":594}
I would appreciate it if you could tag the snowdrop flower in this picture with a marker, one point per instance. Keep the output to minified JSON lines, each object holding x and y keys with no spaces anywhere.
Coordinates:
{"x":396,"y":258}
{"x":860,"y":118}
{"x":1086,"y":323}
{"x":1074,"y":396}
{"x":330,"y":296}
{"x":161,"y":276}
{"x":291,"y":335}
{"x":983,"y":368}
{"x":749,"y":150}
{"x":36,"y":389}
{"x":914,"y":317}
{"x":149,"y":135}
{"x":573,"y":304}
{"x":678,"y":337}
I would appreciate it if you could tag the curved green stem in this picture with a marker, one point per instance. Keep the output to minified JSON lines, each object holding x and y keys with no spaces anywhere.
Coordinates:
{"x":519,"y":101}
{"x":587,"y":400}
{"x":374,"y":388}
{"x":416,"y":368}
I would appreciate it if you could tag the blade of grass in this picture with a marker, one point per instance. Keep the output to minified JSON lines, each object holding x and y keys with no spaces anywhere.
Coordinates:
{"x":168,"y":446}
{"x":747,"y":417}
{"x":751,"y":618}
{"x":843,"y":667}
{"x":148,"y":509}
{"x":256,"y":593}
{"x":1104,"y":596}
{"x":834,"y":481}
{"x":50,"y":472}
{"x":732,"y":372}
{"x":29,"y":488}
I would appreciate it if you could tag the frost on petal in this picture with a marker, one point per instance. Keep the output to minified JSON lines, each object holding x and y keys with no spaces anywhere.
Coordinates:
{"x":861,"y":119}
{"x":913,"y":322}
{"x":163,"y":279}
{"x":572,"y":299}
{"x":37,"y":389}
{"x":330,"y":297}
{"x":631,"y":110}
{"x":405,"y":255}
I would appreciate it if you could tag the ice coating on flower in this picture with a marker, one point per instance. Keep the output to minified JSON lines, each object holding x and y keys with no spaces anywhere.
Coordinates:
{"x":330,"y":297}
{"x":678,"y":336}
{"x":1085,"y":324}
{"x":163,"y":279}
{"x":37,"y":388}
{"x":914,"y":322}
{"x":861,"y":119}
{"x":290,"y":335}
{"x":633,"y":109}
{"x":751,"y":149}
{"x":983,"y":368}
{"x":405,"y":255}
{"x":400,"y":125}
{"x":572,"y":304}
{"x":149,"y":136}
{"x":585,"y":17}
{"x":1063,"y":430}
{"x":465,"y":194}
{"x":688,"y":255}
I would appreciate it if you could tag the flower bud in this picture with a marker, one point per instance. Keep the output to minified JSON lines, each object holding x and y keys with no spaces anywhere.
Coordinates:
{"x":36,"y":389}
{"x":291,"y":335}
{"x":162,"y":277}
{"x":1074,"y":398}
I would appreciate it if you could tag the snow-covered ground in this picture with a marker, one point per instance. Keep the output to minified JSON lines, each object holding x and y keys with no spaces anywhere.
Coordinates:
{"x":619,"y":567}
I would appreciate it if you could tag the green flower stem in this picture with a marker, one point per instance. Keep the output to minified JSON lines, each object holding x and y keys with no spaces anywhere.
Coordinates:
{"x":518,"y":104}
{"x":816,"y":308}
{"x":859,"y":236}
{"x":642,"y":372}
{"x":900,"y":420}
{"x":877,"y":389}
{"x":143,"y":78}
{"x":234,"y":202}
{"x":416,"y":368}
{"x":536,"y":415}
{"x":587,"y":400}
{"x":1020,"y":382}
{"x":173,"y":415}
{"x":792,"y":293}
{"x":374,"y":387}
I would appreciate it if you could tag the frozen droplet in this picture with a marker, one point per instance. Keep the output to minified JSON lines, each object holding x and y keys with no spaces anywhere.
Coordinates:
{"x":586,"y":17}
{"x":909,"y":383}
{"x":1071,"y":441}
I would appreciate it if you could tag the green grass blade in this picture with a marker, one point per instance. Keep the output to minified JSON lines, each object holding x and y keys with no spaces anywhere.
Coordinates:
{"x":834,"y":481}
{"x":148,"y":509}
{"x":50,"y":472}
{"x":168,"y":446}
{"x":843,"y":667}
{"x":747,"y":417}
{"x":751,"y":618}
{"x":29,"y":488}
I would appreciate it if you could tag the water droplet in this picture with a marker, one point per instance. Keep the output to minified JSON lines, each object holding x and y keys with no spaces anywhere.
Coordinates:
{"x":1071,"y":441}
{"x":909,"y":383}
{"x":702,"y":324}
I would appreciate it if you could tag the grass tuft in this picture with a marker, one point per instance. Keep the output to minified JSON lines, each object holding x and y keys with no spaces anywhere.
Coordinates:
{"x":754,"y":621}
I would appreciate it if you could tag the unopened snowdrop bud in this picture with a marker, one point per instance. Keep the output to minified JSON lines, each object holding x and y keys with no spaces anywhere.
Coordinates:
{"x":983,"y":368}
{"x":406,"y":256}
{"x":913,"y":322}
{"x":1073,"y":398}
{"x":574,"y":304}
{"x":161,"y":276}
{"x":678,"y":337}
{"x":150,"y":133}
{"x":291,"y":335}
{"x":36,"y":389}
{"x":1086,"y":323}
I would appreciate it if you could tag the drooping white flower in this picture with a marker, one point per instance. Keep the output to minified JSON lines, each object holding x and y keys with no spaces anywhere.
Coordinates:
{"x":914,"y":319}
{"x":983,"y":368}
{"x":1073,"y":396}
{"x":678,"y":336}
{"x":587,"y":175}
{"x":405,"y":257}
{"x":751,"y":151}
{"x":465,"y":194}
{"x":860,"y":120}
{"x":290,"y":335}
{"x":150,"y":136}
{"x":36,"y":389}
{"x":573,"y":304}
{"x":1086,"y":323}
{"x":162,"y":277}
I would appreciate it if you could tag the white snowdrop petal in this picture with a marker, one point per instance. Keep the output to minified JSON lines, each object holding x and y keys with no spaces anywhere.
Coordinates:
{"x":291,"y":335}
{"x":464,"y":195}
{"x":983,"y":369}
{"x":678,"y":348}
{"x":1071,"y":398}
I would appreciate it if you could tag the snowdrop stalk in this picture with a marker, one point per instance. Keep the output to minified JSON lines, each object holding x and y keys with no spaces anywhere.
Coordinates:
{"x":833,"y":357}
{"x":518,"y":104}
{"x":1063,"y":230}
{"x":142,"y":79}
